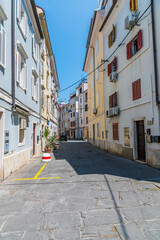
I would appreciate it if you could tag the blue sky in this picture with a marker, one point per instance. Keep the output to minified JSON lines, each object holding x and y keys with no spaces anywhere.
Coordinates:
{"x":68,"y":23}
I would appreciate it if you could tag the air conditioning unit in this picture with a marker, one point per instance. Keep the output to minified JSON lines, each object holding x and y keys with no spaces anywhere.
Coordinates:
{"x":113,"y":77}
{"x":130,"y":20}
{"x":113,"y":112}
{"x":94,"y":110}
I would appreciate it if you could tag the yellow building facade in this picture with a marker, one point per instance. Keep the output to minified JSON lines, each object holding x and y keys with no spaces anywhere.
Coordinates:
{"x":93,"y":59}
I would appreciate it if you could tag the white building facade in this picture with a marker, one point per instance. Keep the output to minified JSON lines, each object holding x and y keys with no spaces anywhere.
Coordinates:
{"x":132,"y":115}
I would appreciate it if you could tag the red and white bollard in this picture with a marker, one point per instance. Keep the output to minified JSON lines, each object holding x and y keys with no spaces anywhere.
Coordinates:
{"x":46,"y":157}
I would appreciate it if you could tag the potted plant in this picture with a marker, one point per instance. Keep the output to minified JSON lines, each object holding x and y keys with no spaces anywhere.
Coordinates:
{"x":46,"y":135}
{"x":52,"y":141}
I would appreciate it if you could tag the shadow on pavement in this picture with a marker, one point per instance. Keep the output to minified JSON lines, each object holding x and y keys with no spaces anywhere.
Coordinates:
{"x":86,"y":159}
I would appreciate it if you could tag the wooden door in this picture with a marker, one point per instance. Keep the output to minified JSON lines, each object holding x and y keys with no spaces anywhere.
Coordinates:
{"x":141,"y":141}
{"x":93,"y":134}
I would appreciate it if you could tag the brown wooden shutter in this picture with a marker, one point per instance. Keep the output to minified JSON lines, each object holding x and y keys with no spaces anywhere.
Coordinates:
{"x":130,"y":5}
{"x":115,"y":64}
{"x":114,"y":32}
{"x":138,"y":88}
{"x":139,"y":36}
{"x":110,"y":101}
{"x":129,"y":50}
{"x":109,"y":69}
{"x":115,"y":94}
{"x":115,"y":131}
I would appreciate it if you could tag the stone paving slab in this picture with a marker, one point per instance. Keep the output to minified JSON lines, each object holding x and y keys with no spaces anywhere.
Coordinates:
{"x":96,"y":191}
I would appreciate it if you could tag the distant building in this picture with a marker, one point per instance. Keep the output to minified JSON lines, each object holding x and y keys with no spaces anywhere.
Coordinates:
{"x":73,"y":107}
{"x":82,"y":94}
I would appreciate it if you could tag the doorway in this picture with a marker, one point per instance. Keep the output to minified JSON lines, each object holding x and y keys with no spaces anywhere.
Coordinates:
{"x":34,"y":138}
{"x":93,"y":133}
{"x":1,"y":143}
{"x":141,"y":153}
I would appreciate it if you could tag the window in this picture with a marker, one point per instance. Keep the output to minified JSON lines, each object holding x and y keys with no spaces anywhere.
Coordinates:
{"x":2,"y":46}
{"x":112,"y":37}
{"x":133,"y":5}
{"x":97,"y":98}
{"x":86,"y":120}
{"x":86,"y":97}
{"x":97,"y":72}
{"x":35,"y":88}
{"x":136,"y":89}
{"x":81,"y":121}
{"x":92,"y":83}
{"x":115,"y":131}
{"x":22,"y":18}
{"x":22,"y":124}
{"x":80,"y":110}
{"x":112,"y":67}
{"x":86,"y":107}
{"x":73,"y":114}
{"x":97,"y":46}
{"x":35,"y":50}
{"x":126,"y":136}
{"x":80,"y":100}
{"x":21,"y":67}
{"x":113,"y":100}
{"x":80,"y":90}
{"x":98,"y":129}
{"x":135,"y":45}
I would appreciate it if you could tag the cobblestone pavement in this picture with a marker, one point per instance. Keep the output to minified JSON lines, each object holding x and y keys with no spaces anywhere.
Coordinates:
{"x":97,"y":196}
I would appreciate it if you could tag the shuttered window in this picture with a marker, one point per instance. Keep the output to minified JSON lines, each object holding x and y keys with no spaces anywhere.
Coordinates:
{"x":22,"y":18}
{"x":135,"y":45}
{"x":136,"y":89}
{"x":35,"y":49}
{"x":113,"y":100}
{"x":35,"y":88}
{"x":133,"y":5}
{"x":112,"y":37}
{"x":2,"y":46}
{"x":21,"y":71}
{"x":112,"y":67}
{"x":98,"y":129}
{"x":115,"y":131}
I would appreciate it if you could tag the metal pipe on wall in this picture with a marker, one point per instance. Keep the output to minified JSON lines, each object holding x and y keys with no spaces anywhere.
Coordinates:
{"x":13,"y":55}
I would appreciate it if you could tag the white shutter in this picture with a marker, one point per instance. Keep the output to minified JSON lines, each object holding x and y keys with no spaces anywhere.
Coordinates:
{"x":18,"y":10}
{"x":25,"y":77}
{"x":33,"y":47}
{"x":37,"y":91}
{"x":18,"y":67}
{"x":25,"y":24}
{"x":1,"y":49}
{"x":32,"y":87}
{"x":37,"y":51}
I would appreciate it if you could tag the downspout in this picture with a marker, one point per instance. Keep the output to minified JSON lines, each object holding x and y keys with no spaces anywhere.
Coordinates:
{"x":40,"y":92}
{"x":155,"y":53}
{"x":13,"y":55}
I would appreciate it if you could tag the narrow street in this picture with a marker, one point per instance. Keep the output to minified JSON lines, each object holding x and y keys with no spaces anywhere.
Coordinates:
{"x":82,"y":194}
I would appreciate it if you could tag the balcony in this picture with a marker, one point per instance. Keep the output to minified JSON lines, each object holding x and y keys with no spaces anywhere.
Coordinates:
{"x":115,"y":111}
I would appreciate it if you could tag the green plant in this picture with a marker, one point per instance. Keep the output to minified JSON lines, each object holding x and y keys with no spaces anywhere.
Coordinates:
{"x":46,"y":133}
{"x":52,"y":140}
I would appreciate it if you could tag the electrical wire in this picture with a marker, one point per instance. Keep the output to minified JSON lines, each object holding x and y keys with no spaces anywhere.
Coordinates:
{"x":107,"y":60}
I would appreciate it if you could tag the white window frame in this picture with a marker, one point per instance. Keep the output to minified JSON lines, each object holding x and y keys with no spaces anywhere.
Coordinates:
{"x":35,"y":49}
{"x":2,"y":46}
{"x":35,"y":85}
{"x":21,"y":72}
{"x":24,"y":122}
{"x":22,"y":18}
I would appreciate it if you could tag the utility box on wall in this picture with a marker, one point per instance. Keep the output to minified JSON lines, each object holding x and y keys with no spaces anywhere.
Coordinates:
{"x":6,"y":142}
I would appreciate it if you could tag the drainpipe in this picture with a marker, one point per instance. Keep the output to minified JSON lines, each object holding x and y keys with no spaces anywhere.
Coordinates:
{"x":40,"y":92}
{"x":94,"y":75}
{"x":155,"y":53}
{"x":13,"y":55}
